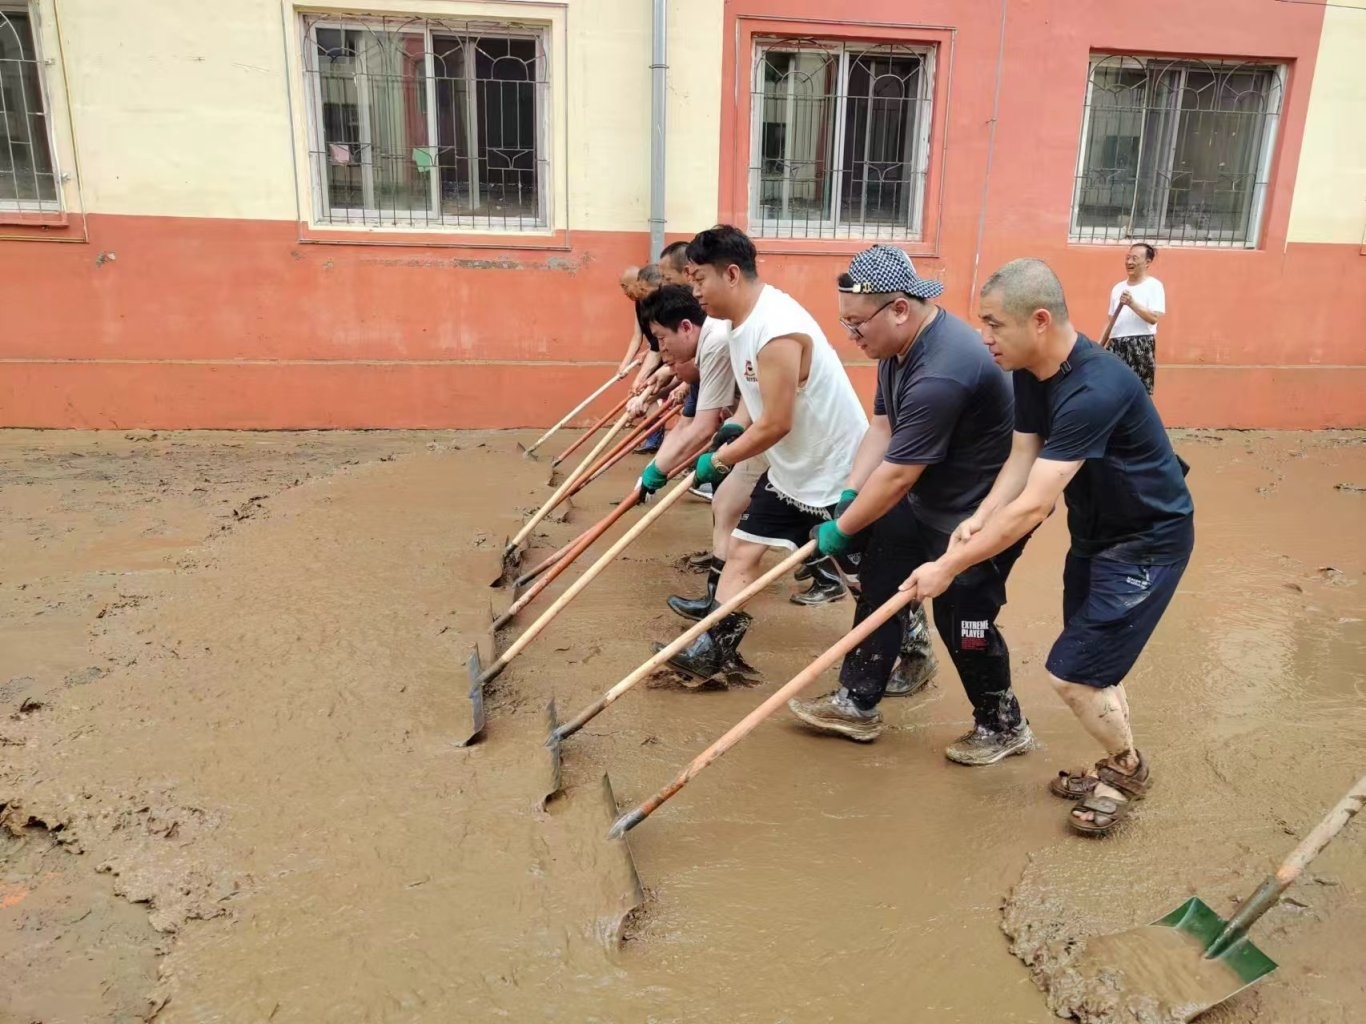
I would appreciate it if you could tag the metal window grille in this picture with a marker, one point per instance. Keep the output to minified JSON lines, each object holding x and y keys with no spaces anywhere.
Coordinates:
{"x":840,"y":139}
{"x":420,"y":123}
{"x":1176,"y":151}
{"x":28,"y":175}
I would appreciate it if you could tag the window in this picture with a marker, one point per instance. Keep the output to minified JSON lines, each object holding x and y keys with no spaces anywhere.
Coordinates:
{"x":427,"y":124}
{"x":1176,"y":151}
{"x":28,"y":177}
{"x":840,"y":140}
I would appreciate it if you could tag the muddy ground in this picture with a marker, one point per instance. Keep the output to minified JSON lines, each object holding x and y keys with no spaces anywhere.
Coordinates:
{"x":231,"y":667}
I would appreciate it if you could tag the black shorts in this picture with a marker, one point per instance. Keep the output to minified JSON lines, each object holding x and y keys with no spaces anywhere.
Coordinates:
{"x":1109,"y":610}
{"x":775,"y":521}
{"x":690,"y":404}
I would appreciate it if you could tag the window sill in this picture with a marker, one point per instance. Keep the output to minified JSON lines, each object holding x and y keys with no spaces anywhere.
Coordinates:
{"x":453,"y":238}
{"x":10,"y":217}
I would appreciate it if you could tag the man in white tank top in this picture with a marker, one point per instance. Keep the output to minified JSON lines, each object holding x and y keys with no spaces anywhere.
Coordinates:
{"x":801,"y":413}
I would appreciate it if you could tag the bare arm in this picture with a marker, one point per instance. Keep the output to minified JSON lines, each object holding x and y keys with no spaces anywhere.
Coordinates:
{"x":1007,"y":525}
{"x":780,"y":363}
{"x":632,"y":347}
{"x":887,"y":485}
{"x":1014,"y":474}
{"x":1015,"y":519}
{"x":683,"y":442}
{"x":1144,"y":313}
{"x":870,"y":452}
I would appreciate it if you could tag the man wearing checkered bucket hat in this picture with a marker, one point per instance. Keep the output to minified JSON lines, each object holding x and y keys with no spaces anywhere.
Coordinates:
{"x":941,"y":430}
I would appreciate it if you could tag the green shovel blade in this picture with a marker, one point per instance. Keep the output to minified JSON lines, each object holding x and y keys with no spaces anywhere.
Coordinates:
{"x":1197,"y":919}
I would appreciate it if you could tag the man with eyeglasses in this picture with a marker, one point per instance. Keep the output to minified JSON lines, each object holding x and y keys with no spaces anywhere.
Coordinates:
{"x":941,"y":430}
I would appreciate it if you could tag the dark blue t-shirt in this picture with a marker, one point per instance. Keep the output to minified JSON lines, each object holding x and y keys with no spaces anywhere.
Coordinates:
{"x":1129,"y":501}
{"x":950,"y":409}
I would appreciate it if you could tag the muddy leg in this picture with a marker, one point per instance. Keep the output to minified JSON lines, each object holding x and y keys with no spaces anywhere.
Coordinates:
{"x":1104,"y":713}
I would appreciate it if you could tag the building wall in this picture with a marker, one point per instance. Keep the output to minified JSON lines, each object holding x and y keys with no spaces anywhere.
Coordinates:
{"x":186,"y":287}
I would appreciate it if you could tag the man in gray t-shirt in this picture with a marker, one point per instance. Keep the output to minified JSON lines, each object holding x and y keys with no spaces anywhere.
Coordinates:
{"x":942,"y":427}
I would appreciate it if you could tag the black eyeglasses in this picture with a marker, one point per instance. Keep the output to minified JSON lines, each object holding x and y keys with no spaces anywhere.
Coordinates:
{"x":856,"y":330}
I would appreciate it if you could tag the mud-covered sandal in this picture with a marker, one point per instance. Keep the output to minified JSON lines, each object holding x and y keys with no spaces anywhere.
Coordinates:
{"x":1106,"y":814}
{"x":1081,"y":783}
{"x":1074,"y":785}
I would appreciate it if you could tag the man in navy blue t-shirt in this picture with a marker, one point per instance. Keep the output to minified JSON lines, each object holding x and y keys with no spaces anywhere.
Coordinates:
{"x":941,"y":431}
{"x":1085,"y":429}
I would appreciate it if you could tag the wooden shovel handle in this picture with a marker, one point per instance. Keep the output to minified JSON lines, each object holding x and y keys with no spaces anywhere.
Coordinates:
{"x":581,"y":406}
{"x":571,"y":554}
{"x":746,"y":725}
{"x":1323,"y":833}
{"x":574,"y":446}
{"x":563,"y":491}
{"x":534,"y":630}
{"x":1110,"y":326}
{"x":653,"y":422}
{"x":739,"y":600}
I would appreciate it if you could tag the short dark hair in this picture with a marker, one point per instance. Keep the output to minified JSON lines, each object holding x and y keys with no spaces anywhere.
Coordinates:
{"x":649,"y":274}
{"x":675,"y":254}
{"x":670,"y":305}
{"x":1026,"y":285}
{"x":1148,"y":250}
{"x":724,"y":246}
{"x":846,"y":281}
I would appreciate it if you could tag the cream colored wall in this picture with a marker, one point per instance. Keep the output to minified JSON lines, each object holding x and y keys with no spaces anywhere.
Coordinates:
{"x":184,"y":109}
{"x":694,"y":114}
{"x":1330,"y":187}
{"x":178,"y":109}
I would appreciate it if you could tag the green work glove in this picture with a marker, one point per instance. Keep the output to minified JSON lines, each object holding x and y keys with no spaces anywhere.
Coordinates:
{"x":708,"y":472}
{"x":846,"y":499}
{"x":653,"y":478}
{"x":728,"y":433}
{"x":830,"y":539}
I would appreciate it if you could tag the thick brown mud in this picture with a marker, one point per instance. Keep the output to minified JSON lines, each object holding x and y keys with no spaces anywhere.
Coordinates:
{"x":231,"y":668}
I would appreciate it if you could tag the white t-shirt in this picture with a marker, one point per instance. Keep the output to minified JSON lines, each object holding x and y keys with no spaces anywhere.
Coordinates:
{"x":810,"y":465}
{"x":715,"y":378}
{"x":1148,"y":292}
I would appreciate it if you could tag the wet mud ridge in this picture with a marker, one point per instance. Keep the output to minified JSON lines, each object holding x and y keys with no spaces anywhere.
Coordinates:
{"x":233,"y":678}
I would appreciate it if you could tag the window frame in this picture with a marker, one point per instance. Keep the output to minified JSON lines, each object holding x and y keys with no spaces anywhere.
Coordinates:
{"x":1265,"y":161}
{"x":39,"y":210}
{"x":736,"y":89}
{"x":372,"y":218}
{"x":831,"y":228}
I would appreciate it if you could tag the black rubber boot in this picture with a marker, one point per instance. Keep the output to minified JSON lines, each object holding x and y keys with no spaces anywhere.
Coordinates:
{"x":716,"y":650}
{"x":696,"y":607}
{"x":917,"y":664}
{"x":826,"y":586}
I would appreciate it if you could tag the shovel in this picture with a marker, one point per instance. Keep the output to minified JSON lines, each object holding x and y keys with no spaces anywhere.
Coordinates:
{"x":750,"y":722}
{"x":577,"y":444}
{"x":1193,"y":959}
{"x":579,"y":408}
{"x":512,"y":549}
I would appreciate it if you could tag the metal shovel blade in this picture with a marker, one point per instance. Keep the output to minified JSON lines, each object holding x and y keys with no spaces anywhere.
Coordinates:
{"x":484,"y":651}
{"x":527,"y":453}
{"x":553,"y":778}
{"x":1162,"y":967}
{"x":474,"y":725}
{"x":625,"y":894}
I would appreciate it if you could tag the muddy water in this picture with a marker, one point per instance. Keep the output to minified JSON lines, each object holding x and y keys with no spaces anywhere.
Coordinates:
{"x":249,"y":686}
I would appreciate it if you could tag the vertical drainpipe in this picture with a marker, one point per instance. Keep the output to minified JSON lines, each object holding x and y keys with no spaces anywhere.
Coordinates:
{"x":659,"y":80}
